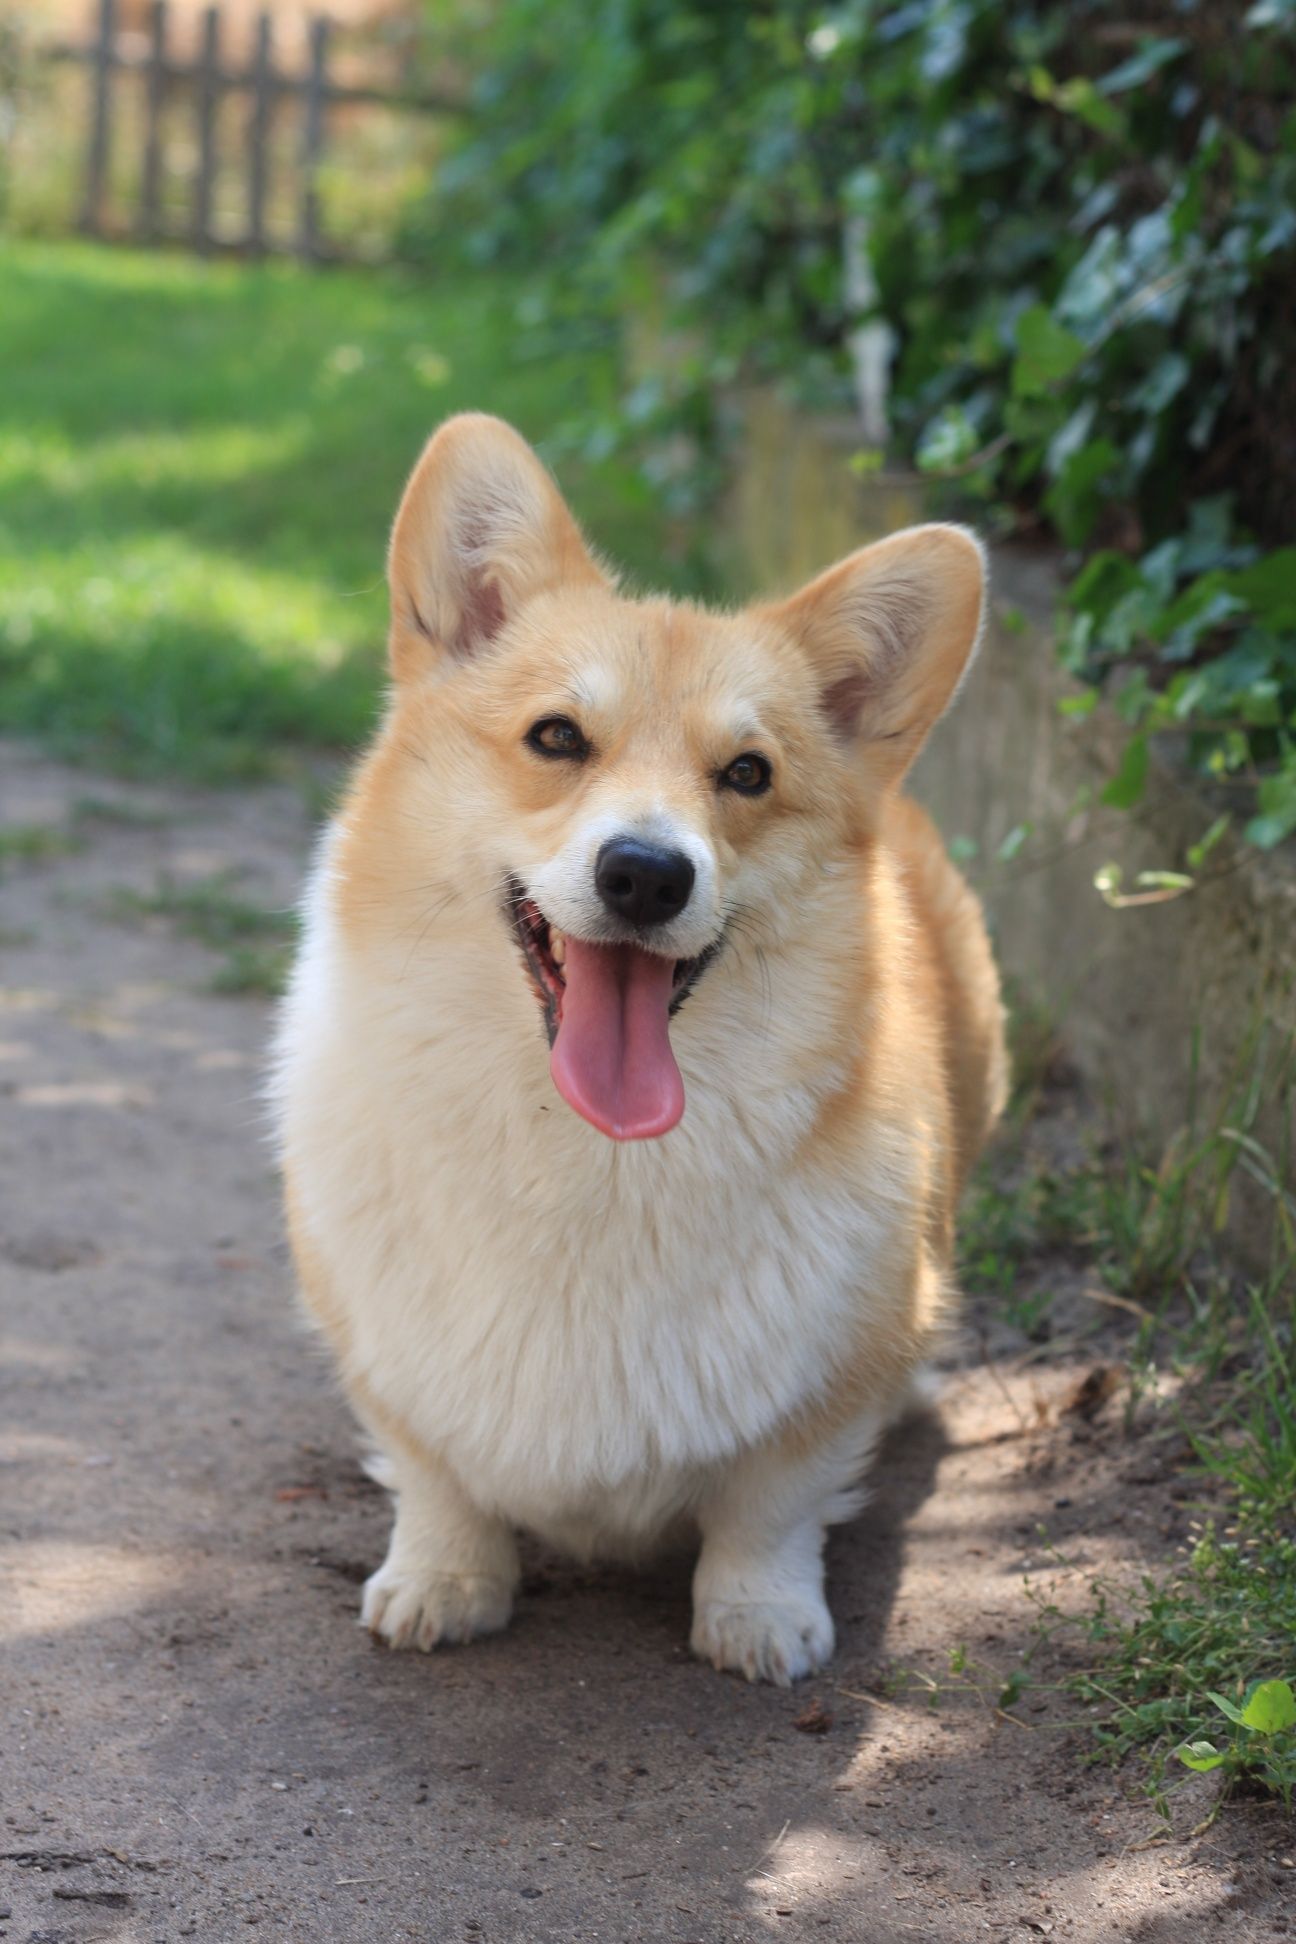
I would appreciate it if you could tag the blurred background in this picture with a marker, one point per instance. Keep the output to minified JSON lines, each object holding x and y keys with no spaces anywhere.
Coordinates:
{"x":1031,"y":263}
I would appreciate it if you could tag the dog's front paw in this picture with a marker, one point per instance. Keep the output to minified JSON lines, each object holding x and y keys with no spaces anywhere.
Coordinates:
{"x":408,"y":1609}
{"x":776,"y":1640}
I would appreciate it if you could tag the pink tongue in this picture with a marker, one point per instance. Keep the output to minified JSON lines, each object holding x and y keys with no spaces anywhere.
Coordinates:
{"x":612,"y":1059}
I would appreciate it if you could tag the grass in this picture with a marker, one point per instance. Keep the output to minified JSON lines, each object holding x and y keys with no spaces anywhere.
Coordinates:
{"x":1174,"y":1657}
{"x":92,"y":809}
{"x":255,"y":943}
{"x":198,"y":468}
{"x":1220,"y":1620}
{"x":32,"y":843}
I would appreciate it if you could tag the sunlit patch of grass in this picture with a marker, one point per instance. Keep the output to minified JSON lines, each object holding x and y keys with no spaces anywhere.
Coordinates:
{"x":168,"y":654}
{"x":198,"y":468}
{"x":48,"y":463}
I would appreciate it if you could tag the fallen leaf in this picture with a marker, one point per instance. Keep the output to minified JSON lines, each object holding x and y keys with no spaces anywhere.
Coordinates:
{"x":814,"y":1720}
{"x":1092,"y":1391}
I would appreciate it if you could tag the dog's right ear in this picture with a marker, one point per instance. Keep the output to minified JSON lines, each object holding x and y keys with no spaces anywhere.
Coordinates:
{"x":480,"y":530}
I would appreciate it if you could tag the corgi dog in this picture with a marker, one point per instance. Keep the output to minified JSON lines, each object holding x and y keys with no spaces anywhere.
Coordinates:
{"x":639,"y":1042}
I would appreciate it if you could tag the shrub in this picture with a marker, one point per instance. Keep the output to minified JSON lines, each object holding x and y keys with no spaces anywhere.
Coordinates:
{"x":1079,"y":229}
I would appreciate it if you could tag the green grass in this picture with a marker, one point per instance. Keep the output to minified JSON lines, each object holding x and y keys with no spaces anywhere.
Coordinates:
{"x":92,"y":809}
{"x":1218,"y":1621}
{"x":34,"y":843}
{"x":255,"y":943}
{"x":1170,"y":1653}
{"x":198,"y":468}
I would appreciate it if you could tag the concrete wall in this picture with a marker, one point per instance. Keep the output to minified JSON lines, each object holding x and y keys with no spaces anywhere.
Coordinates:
{"x":1157,"y":1003}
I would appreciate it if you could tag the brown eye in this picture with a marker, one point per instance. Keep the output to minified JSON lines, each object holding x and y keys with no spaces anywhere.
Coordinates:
{"x":749,"y":774}
{"x":557,"y":736}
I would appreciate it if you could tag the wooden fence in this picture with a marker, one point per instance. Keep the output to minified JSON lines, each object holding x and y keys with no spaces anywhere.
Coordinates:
{"x":205,"y":82}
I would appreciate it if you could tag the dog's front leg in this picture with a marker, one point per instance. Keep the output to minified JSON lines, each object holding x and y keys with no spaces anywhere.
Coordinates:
{"x":758,"y":1591}
{"x":451,"y":1569}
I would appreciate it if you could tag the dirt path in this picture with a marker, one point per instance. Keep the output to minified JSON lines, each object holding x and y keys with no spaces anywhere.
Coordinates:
{"x":199,"y":1738}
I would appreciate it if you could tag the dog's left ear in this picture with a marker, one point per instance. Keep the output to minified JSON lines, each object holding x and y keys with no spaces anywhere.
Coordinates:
{"x":889,"y":632}
{"x":481,"y":529}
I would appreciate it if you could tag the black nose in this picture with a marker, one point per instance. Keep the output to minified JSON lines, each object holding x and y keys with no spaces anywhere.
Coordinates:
{"x":641,"y":882}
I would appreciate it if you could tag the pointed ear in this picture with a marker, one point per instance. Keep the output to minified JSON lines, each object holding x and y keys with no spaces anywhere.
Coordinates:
{"x":889,"y":632}
{"x":480,"y":530}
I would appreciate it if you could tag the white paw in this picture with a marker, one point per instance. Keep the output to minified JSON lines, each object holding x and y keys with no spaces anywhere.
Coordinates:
{"x":775,"y":1640}
{"x":409,"y":1609}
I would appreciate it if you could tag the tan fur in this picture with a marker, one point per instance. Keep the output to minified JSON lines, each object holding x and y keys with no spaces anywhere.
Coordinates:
{"x":548,"y":1328}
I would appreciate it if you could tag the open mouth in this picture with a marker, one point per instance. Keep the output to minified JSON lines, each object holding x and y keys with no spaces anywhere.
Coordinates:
{"x":607,"y":1012}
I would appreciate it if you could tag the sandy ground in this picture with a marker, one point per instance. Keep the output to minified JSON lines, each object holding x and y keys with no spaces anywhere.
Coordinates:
{"x":198,"y":1738}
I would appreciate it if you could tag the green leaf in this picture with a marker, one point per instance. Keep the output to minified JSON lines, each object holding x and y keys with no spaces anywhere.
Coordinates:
{"x":1078,"y":705}
{"x":1203,"y":1756}
{"x":1079,"y":97}
{"x":1261,"y":704}
{"x":1268,"y":586}
{"x":1269,"y":13}
{"x":1199,"y":852}
{"x":1151,"y":57}
{"x":1277,"y":810}
{"x":1075,"y":497}
{"x":1270,"y":1707}
{"x":1013,"y":842}
{"x":1227,"y":1707}
{"x":1046,"y":353}
{"x":947,"y":441}
{"x":1127,"y":786}
{"x":1163,"y":383}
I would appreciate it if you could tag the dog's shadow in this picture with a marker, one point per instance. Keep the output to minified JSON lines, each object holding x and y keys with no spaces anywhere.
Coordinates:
{"x":646,"y":1610}
{"x":866,"y":1557}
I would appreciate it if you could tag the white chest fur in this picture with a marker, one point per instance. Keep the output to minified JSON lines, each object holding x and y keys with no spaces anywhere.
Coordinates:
{"x":582,"y":1328}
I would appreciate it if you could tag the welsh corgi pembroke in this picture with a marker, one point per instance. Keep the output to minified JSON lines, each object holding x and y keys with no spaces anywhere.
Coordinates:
{"x":640,"y":1040}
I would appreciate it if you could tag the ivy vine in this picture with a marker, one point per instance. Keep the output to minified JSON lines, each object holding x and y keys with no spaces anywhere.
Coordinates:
{"x":1080,"y":223}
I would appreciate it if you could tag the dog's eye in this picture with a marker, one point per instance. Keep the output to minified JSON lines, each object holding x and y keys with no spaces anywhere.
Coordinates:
{"x":749,"y":774}
{"x":557,"y":736}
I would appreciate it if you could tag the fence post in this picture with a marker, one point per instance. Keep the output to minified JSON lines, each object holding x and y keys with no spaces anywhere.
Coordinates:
{"x":308,"y":237}
{"x":150,"y":218}
{"x":100,"y":118}
{"x":259,"y":134}
{"x":208,"y":90}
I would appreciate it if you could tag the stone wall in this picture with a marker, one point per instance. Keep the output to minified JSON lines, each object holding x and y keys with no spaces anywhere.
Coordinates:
{"x":1172,"y":1010}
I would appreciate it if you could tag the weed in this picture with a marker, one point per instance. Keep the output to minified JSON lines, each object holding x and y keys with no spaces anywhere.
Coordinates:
{"x":1219,"y":1620}
{"x":1262,"y":1745}
{"x":118,"y":810}
{"x":967,"y":1676}
{"x":256,"y":942}
{"x":1222,"y":1619}
{"x":251,"y":970}
{"x":35,"y":843}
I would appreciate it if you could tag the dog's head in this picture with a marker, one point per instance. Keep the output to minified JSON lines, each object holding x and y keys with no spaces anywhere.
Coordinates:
{"x":635,"y":781}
